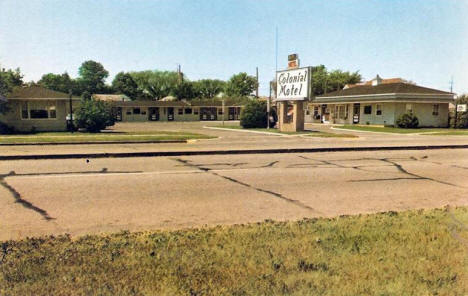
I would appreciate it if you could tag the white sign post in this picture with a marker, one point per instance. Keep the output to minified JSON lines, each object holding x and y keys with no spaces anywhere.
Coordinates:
{"x":293,"y":85}
{"x":461,"y":108}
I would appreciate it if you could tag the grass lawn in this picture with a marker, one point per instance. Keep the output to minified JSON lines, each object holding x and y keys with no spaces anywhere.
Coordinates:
{"x":407,"y":253}
{"x":67,"y":137}
{"x":451,"y":132}
{"x":304,"y":133}
{"x":392,"y":129}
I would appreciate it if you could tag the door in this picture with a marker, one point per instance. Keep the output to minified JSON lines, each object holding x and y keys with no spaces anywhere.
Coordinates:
{"x":153,"y":114}
{"x":170,"y":114}
{"x":356,"y":113}
{"x":118,"y":114}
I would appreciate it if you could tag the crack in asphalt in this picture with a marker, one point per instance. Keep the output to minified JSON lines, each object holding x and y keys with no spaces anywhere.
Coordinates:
{"x":275,"y":194}
{"x":20,"y":200}
{"x":25,"y":203}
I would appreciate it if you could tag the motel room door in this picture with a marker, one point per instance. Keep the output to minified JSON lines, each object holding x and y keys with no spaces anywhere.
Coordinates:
{"x":153,"y":114}
{"x":170,"y":114}
{"x":356,"y":113}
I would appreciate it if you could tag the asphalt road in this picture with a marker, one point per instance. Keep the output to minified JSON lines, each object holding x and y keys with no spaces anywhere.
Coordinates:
{"x":42,"y":197}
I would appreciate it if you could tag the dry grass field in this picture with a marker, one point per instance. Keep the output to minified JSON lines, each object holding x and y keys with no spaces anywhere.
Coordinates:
{"x":422,"y":252}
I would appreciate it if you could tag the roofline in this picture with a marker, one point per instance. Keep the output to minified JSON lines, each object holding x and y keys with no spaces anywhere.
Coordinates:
{"x":382,"y":101}
{"x":45,"y":99}
{"x":388,"y":94}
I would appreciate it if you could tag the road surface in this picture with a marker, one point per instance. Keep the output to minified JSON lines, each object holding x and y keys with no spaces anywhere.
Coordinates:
{"x":76,"y":196}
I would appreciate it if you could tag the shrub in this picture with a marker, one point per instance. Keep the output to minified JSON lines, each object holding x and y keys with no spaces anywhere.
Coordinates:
{"x":254,"y":115}
{"x":5,"y":129}
{"x":94,"y":116}
{"x":407,"y":120}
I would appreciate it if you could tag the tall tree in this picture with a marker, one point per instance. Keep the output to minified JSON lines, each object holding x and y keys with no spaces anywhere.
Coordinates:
{"x":209,"y":88}
{"x":9,"y":79}
{"x":241,"y":85}
{"x":185,"y":90}
{"x":124,"y":83}
{"x":156,"y":84}
{"x":324,"y":81}
{"x":92,"y":76}
{"x":58,"y":82}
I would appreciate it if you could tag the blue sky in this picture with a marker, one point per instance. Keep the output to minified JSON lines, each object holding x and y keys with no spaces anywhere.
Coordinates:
{"x":423,"y":41}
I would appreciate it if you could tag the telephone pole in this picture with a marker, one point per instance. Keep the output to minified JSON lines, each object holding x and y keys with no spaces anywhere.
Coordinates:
{"x":256,"y":92}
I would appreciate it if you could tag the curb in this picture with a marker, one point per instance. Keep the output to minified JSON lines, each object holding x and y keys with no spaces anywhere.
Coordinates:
{"x":227,"y":152}
{"x":246,"y":131}
{"x":92,"y":143}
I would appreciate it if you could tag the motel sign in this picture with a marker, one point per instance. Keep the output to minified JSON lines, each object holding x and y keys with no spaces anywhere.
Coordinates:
{"x":293,"y":85}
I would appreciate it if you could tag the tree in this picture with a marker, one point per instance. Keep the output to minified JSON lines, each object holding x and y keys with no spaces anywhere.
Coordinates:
{"x":94,"y":115}
{"x":324,"y":81}
{"x":9,"y":79}
{"x":185,"y":90}
{"x":241,"y":85}
{"x":156,"y":84}
{"x":124,"y":83}
{"x":209,"y":88}
{"x":58,"y":82}
{"x":92,"y":76}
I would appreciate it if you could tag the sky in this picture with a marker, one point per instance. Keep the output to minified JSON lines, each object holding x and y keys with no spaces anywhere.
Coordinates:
{"x":423,"y":41}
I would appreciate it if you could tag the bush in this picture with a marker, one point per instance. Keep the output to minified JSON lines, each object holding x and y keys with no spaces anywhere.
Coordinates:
{"x":254,"y":115}
{"x":6,"y":129}
{"x":94,"y":116}
{"x":407,"y":120}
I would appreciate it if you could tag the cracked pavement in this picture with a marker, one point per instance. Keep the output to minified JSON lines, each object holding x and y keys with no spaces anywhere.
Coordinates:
{"x":79,"y":196}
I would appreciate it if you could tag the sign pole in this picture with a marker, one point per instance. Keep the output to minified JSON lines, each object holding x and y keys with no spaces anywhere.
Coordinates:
{"x":268,"y":109}
{"x":456,"y":115}
{"x":223,"y":111}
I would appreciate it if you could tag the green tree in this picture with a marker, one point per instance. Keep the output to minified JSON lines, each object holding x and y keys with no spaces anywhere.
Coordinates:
{"x":58,"y":82}
{"x":324,"y":81}
{"x":92,"y":77}
{"x":185,"y":90}
{"x":241,"y":85}
{"x":124,"y":83}
{"x":9,"y":79}
{"x":156,"y":84}
{"x":94,"y":115}
{"x":209,"y":88}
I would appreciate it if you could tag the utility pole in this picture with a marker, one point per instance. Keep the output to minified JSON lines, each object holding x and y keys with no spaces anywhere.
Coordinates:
{"x":179,"y":74}
{"x":451,"y":84}
{"x":71,"y":127}
{"x":268,"y":107}
{"x":276,"y":48}
{"x":256,"y":92}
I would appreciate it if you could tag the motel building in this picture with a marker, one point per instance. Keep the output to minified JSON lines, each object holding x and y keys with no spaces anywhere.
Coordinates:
{"x":381,"y":102}
{"x":126,"y":110}
{"x":35,"y":108}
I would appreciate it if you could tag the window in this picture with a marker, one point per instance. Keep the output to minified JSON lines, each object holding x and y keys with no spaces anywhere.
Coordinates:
{"x":128,"y":112}
{"x":341,"y":112}
{"x":409,"y":108}
{"x":24,"y":110}
{"x":180,"y":111}
{"x":136,"y":110}
{"x":188,"y":110}
{"x":220,"y":111}
{"x":368,"y":109}
{"x":52,"y":112}
{"x":195,"y":111}
{"x":378,"y":110}
{"x":435,"y":109}
{"x":38,"y":110}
